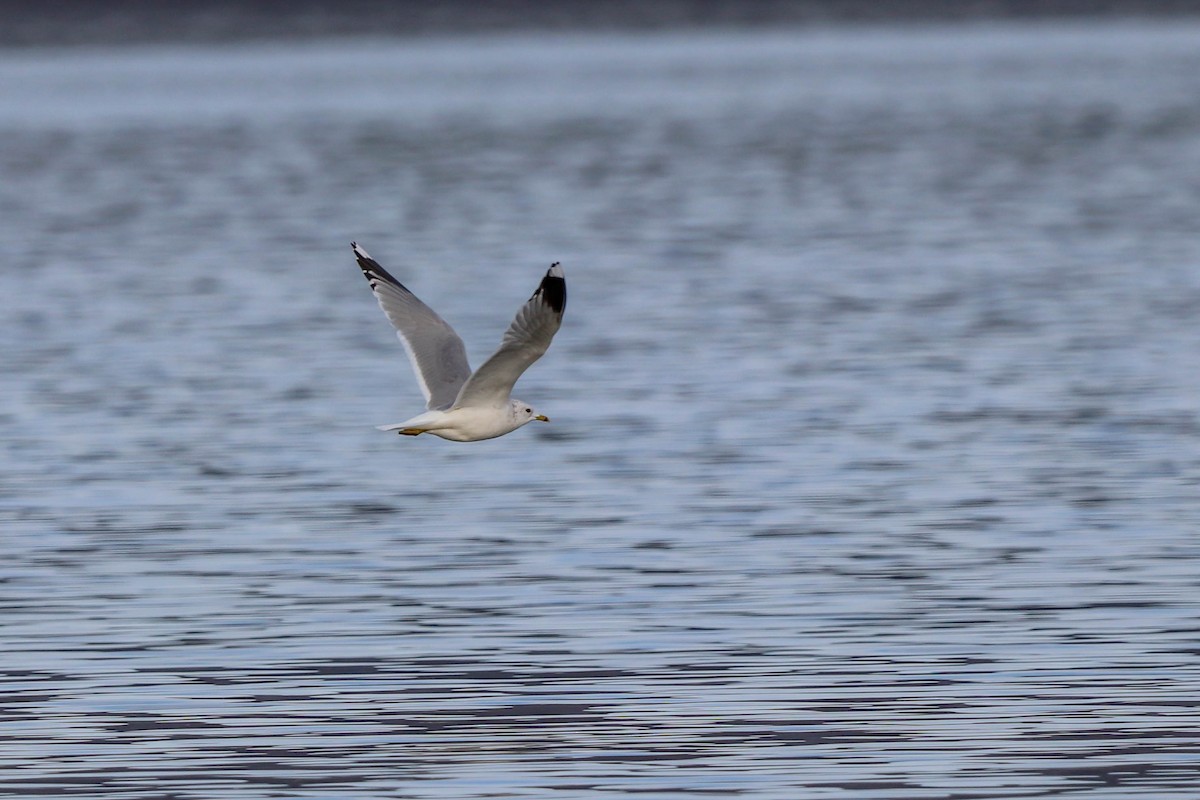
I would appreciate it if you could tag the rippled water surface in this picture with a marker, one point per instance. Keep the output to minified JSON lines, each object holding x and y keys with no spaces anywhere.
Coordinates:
{"x":874,"y":469}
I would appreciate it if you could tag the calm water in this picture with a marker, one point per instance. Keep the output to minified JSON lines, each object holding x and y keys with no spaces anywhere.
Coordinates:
{"x":874,"y":469}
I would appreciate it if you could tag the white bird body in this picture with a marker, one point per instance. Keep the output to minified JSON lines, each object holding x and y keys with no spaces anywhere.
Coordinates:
{"x":469,"y":424}
{"x":466,"y":406}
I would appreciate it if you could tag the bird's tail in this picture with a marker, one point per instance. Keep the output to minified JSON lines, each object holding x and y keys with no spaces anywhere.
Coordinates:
{"x":401,"y":428}
{"x":410,"y":427}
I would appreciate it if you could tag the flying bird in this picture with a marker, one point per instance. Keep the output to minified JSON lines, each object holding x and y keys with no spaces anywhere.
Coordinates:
{"x":466,"y":406}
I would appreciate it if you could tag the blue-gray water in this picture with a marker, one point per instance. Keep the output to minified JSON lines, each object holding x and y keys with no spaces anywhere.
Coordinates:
{"x":874,"y":469}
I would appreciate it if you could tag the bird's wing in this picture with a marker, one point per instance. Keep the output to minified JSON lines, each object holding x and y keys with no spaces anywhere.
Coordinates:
{"x":526,"y":339}
{"x":436,"y":351}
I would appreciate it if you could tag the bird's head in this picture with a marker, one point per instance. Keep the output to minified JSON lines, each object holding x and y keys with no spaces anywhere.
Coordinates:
{"x":525,"y":413}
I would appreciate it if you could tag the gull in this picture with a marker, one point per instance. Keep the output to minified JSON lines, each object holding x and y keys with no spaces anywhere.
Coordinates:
{"x":466,"y":406}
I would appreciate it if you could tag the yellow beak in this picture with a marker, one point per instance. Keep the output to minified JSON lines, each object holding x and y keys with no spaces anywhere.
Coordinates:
{"x":542,"y":418}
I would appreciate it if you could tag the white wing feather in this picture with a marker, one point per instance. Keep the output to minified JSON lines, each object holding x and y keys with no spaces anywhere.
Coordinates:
{"x":435,"y":350}
{"x":525,"y":341}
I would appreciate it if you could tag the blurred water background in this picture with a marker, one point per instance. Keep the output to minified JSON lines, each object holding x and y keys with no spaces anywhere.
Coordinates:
{"x":874,"y":469}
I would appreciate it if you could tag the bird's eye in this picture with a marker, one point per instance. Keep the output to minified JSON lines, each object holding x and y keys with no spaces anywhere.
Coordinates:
{"x":529,"y":411}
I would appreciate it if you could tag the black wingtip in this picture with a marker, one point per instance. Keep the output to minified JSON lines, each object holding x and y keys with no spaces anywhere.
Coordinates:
{"x":365,"y":262}
{"x":371,"y":268}
{"x":554,"y":290}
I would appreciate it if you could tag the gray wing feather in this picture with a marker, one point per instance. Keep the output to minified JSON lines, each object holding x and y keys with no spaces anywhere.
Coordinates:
{"x":435,"y":350}
{"x":525,"y":341}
